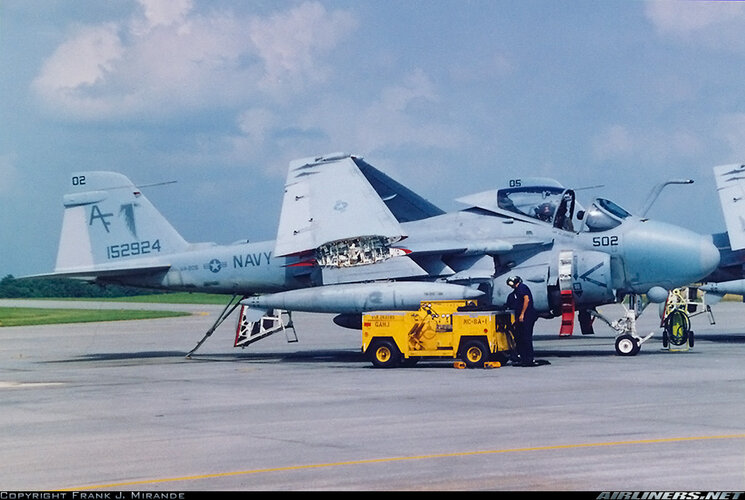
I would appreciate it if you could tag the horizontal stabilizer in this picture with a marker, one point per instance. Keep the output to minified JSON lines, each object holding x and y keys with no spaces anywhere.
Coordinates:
{"x":106,"y":273}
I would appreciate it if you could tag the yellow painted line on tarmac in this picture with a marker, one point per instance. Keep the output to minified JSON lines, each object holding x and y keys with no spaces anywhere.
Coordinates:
{"x":401,"y":459}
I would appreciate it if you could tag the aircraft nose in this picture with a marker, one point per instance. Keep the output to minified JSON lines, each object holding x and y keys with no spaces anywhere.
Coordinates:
{"x":664,"y":255}
{"x":708,"y":256}
{"x":693,"y":256}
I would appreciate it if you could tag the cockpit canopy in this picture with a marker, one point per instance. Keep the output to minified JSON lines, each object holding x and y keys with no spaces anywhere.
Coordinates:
{"x":604,"y":215}
{"x":554,"y":205}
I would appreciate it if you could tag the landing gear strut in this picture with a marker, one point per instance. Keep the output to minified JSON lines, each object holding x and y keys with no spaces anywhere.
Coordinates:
{"x":251,"y":328}
{"x":628,"y":342}
{"x":229,"y":308}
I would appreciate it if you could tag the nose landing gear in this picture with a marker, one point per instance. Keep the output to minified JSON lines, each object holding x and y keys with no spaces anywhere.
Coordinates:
{"x":628,"y":342}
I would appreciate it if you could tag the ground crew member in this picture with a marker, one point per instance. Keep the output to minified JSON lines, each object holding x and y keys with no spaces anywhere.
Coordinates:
{"x":521,"y":301}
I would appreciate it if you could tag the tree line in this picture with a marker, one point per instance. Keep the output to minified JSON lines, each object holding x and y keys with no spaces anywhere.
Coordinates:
{"x":12,"y":288}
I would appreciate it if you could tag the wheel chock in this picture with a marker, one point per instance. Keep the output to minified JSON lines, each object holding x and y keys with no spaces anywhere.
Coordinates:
{"x":459,"y":365}
{"x":492,"y":364}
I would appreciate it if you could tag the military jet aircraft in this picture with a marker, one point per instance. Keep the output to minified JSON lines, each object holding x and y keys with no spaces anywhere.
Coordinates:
{"x":351,"y":239}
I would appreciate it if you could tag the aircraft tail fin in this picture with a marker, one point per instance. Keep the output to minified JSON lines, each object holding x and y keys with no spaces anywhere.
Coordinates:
{"x":730,"y":181}
{"x":108,"y":222}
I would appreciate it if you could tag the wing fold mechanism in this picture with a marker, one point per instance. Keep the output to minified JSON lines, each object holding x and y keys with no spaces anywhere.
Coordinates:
{"x":331,"y":211}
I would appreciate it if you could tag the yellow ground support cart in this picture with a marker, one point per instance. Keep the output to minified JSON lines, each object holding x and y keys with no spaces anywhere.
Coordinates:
{"x":454,"y":329}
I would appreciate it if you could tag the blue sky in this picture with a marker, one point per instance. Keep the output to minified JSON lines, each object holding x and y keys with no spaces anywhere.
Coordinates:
{"x":448,"y":97}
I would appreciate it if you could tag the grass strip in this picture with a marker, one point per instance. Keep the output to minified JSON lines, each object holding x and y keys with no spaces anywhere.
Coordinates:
{"x":158,"y":298}
{"x":27,"y":316}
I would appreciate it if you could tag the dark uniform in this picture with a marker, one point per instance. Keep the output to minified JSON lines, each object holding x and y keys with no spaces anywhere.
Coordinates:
{"x":525,"y":318}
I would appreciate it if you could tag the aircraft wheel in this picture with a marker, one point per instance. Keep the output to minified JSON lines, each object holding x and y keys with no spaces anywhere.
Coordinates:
{"x":626,"y":345}
{"x":384,"y":354}
{"x":474,"y":353}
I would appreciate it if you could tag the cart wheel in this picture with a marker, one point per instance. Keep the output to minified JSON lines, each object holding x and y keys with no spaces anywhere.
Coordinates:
{"x":626,"y":345}
{"x":384,"y":354}
{"x":677,"y":326}
{"x":474,"y":353}
{"x":690,"y":338}
{"x":665,"y":340}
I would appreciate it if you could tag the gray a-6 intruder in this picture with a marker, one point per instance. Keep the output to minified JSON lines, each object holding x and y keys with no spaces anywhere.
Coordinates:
{"x":351,"y":240}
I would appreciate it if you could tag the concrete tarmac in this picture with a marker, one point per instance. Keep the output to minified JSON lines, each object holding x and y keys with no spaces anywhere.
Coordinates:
{"x":117,"y":406}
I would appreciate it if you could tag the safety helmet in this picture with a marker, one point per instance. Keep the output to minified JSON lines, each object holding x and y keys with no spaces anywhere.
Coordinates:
{"x":514,"y":280}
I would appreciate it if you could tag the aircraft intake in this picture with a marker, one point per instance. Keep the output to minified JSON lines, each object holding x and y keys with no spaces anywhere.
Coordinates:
{"x":592,"y":281}
{"x":362,"y":297}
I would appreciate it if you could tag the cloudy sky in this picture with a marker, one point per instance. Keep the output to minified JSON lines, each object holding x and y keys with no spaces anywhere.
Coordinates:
{"x":448,"y":97}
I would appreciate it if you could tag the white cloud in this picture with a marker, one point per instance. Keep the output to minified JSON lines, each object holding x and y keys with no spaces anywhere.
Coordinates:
{"x":80,"y":64}
{"x":165,"y":12}
{"x":167,"y":57}
{"x":290,"y":42}
{"x":714,"y":23}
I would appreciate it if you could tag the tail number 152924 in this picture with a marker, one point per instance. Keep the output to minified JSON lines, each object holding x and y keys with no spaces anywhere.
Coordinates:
{"x":132,"y":249}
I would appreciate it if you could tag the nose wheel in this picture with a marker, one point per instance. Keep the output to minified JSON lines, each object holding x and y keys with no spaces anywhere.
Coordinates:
{"x":627,"y":345}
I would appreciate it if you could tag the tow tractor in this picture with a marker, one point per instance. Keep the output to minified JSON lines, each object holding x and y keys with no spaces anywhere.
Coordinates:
{"x":444,"y":329}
